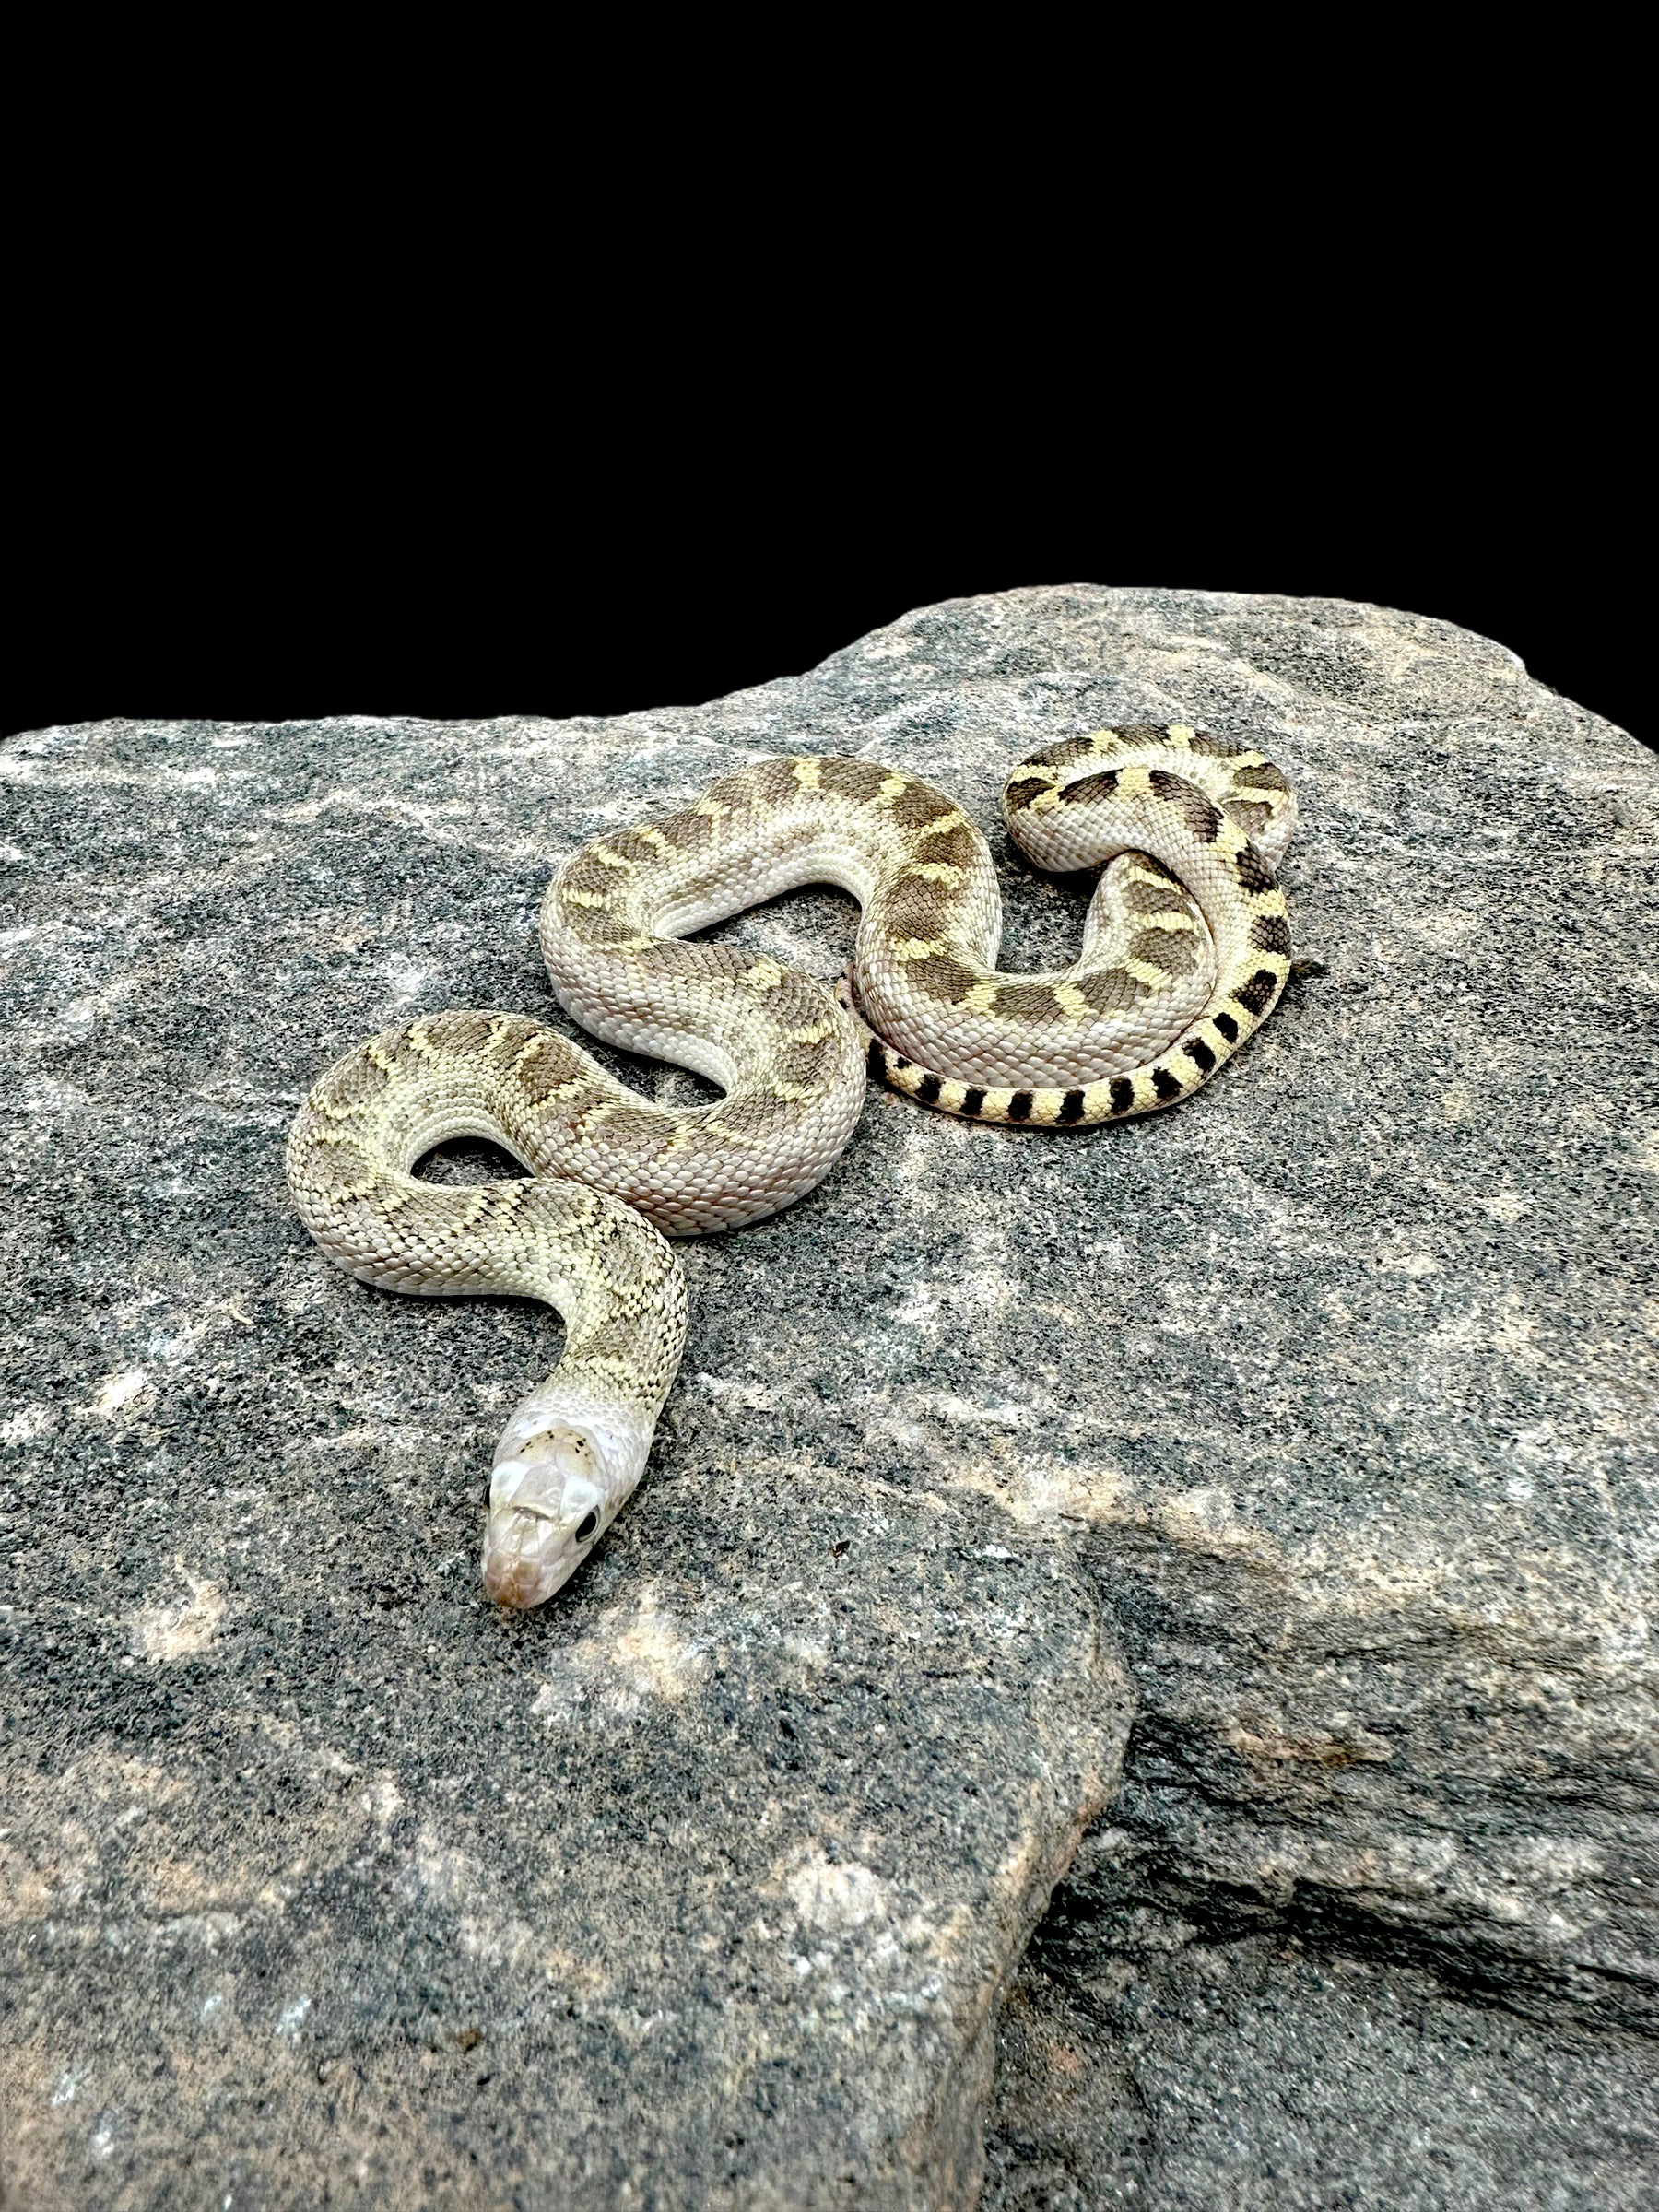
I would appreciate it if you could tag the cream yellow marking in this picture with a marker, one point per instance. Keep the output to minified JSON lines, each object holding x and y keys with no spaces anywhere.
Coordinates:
{"x":1044,"y":803}
{"x":934,"y":871}
{"x":711,"y":808}
{"x":608,"y":859}
{"x":808,"y":775}
{"x":814,"y":1033}
{"x":914,"y":948}
{"x":1144,"y":972}
{"x":893,"y":788}
{"x":1072,"y":1003}
{"x":585,"y":897}
{"x":980,"y":997}
{"x":1180,"y":735}
{"x":564,"y":1090}
{"x":1173,"y":917}
{"x":526,"y":1053}
{"x":941,"y":824}
{"x":1134,"y":782}
{"x":765,"y":975}
{"x":658,"y":842}
{"x":796,"y":1094}
{"x":734,"y":1137}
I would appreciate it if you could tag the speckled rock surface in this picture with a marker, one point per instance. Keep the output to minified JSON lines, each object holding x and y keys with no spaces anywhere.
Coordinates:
{"x":1163,"y":2062}
{"x":1279,"y":1468}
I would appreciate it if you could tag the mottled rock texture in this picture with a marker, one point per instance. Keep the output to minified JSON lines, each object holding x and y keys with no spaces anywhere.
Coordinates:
{"x":1272,"y":1479}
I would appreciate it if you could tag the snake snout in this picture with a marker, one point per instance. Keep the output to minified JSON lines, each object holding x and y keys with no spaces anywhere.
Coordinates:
{"x":545,"y":1511}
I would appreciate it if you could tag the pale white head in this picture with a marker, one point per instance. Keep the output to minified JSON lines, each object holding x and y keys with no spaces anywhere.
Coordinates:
{"x":561,"y":1473}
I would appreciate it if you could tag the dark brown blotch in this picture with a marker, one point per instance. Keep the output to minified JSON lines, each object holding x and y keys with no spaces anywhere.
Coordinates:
{"x":586,"y":874}
{"x":1021,"y":790}
{"x":973,"y":1102}
{"x":1200,"y":1054}
{"x":1264,"y":777}
{"x":1166,"y":1085}
{"x":1064,"y":751}
{"x":1228,"y":1027}
{"x":1121,"y":1094}
{"x":1092,"y":790}
{"x":920,"y":803}
{"x":1271,"y":933}
{"x":689,"y":830}
{"x":1216,"y":748}
{"x":804,"y":1064}
{"x":1251,"y":815}
{"x":1257,"y":994}
{"x":957,"y":848}
{"x":942,"y":978}
{"x":631,"y":1133}
{"x":1174,"y":950}
{"x":767,"y":783}
{"x":632,"y":845}
{"x":1071,"y":1107}
{"x":1165,"y":897}
{"x":1197,"y":811}
{"x":1019,"y":1106}
{"x":736,"y":791}
{"x":858,"y":780}
{"x":1027,"y":1001}
{"x":754,"y":1115}
{"x":556,"y":1064}
{"x":595,"y":926}
{"x":698,"y":964}
{"x":928,"y":1089}
{"x":1252,"y":871}
{"x":915,"y":906}
{"x":1110,"y":990}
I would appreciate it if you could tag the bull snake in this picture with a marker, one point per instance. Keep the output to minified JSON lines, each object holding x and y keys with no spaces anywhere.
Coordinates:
{"x":1185,"y":950}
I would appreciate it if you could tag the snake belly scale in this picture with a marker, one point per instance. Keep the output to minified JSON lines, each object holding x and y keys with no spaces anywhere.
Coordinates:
{"x":1186,"y":947}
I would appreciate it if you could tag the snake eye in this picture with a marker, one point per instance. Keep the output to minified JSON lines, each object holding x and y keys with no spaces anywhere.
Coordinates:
{"x":586,"y":1528}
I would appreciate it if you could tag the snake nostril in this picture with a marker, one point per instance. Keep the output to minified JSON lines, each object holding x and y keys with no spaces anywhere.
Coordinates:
{"x":586,"y":1528}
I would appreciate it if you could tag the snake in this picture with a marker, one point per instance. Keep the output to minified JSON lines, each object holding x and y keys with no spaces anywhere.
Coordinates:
{"x":1186,"y":947}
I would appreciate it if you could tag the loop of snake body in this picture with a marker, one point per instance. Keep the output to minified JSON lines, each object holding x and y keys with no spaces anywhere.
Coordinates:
{"x":1185,"y":950}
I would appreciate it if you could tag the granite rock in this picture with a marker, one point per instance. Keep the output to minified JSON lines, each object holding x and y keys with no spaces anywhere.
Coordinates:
{"x":1271,"y":1480}
{"x":1174,"y":2062}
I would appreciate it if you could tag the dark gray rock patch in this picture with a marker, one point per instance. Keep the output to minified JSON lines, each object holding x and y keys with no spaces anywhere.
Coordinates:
{"x":1260,"y":2074}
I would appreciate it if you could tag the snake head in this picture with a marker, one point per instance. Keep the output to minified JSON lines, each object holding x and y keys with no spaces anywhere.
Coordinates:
{"x":548,"y":1506}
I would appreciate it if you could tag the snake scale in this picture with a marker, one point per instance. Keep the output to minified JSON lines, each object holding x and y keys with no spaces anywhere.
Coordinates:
{"x":1185,"y":950}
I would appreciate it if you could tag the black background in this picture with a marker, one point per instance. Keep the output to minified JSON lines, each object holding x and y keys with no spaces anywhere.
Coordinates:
{"x":367,"y":600}
{"x":276,"y":459}
{"x":582,"y":553}
{"x":519,"y":386}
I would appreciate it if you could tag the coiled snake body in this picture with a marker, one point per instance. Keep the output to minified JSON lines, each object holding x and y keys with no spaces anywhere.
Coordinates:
{"x":1185,"y":950}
